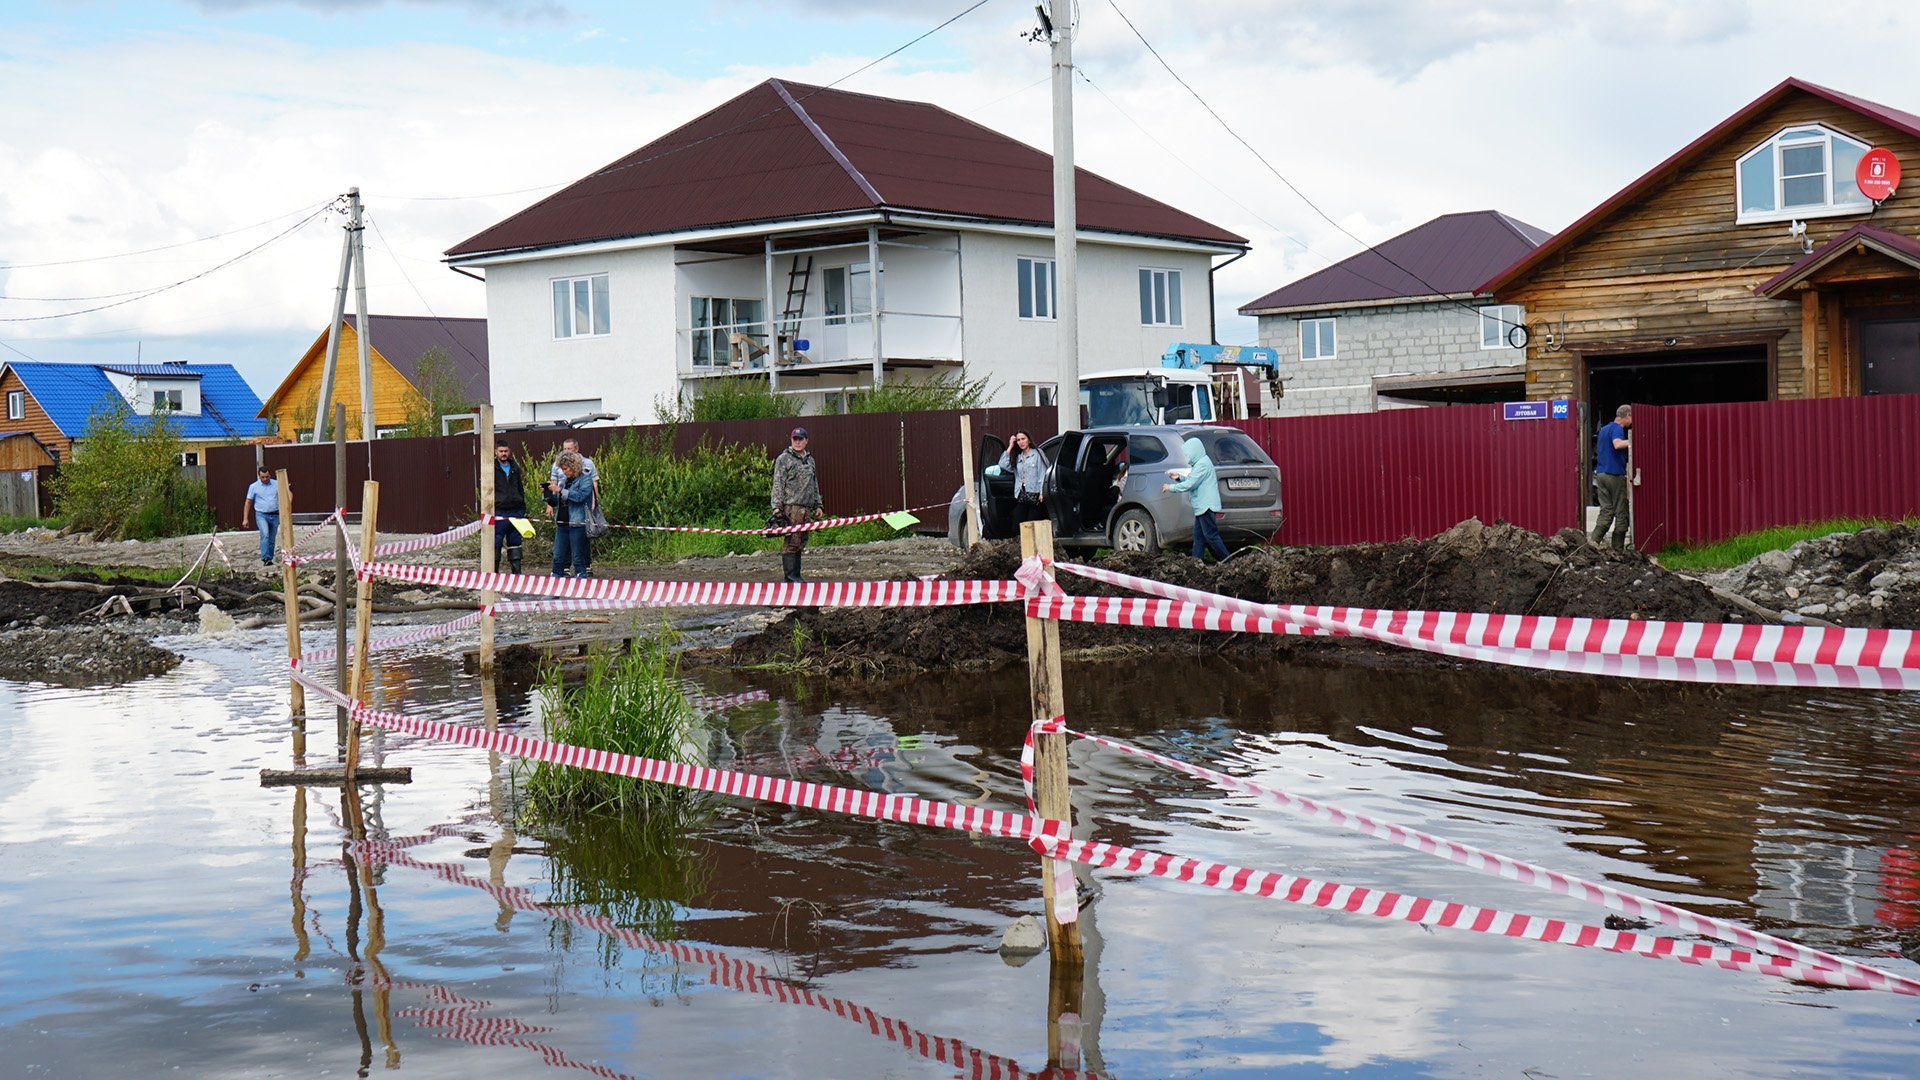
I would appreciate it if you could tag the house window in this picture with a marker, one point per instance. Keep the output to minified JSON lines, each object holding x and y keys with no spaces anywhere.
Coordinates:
{"x":717,"y":317}
{"x":167,"y":401}
{"x":580,"y":307}
{"x":1159,"y":297}
{"x":1316,"y":339}
{"x":1497,"y":325}
{"x":834,"y":288}
{"x":16,"y":404}
{"x":1039,"y":290}
{"x":189,"y":458}
{"x":1039,"y":393}
{"x":1801,"y":172}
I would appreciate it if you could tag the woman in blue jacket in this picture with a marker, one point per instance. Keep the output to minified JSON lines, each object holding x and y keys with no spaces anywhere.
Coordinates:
{"x":1203,"y":494}
{"x":569,"y":500}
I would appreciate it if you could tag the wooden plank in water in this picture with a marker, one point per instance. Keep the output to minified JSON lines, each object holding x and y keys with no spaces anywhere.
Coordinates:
{"x":336,"y":774}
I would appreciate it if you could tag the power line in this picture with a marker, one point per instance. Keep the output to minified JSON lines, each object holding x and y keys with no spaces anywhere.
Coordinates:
{"x":163,"y":247}
{"x":388,"y":248}
{"x":290,"y":230}
{"x":1433,"y":289}
{"x":970,"y":9}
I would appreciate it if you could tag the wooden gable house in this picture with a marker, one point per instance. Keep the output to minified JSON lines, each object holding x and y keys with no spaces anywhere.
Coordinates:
{"x":1748,"y":266}
{"x":396,"y":344}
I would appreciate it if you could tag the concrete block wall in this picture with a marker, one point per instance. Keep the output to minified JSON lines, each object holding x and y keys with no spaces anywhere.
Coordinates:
{"x":1396,"y":339}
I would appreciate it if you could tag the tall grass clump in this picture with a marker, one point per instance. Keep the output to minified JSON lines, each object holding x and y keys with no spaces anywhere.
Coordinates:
{"x":744,"y":397}
{"x":630,"y":703}
{"x":948,"y":390}
{"x":644,"y":482}
{"x":1735,"y":550}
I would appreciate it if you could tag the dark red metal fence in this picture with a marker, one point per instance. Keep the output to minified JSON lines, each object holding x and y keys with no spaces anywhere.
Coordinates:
{"x":1415,"y":472}
{"x":869,"y":463}
{"x":1708,"y":472}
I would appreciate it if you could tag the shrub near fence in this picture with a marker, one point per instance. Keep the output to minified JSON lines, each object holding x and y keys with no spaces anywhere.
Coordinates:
{"x":869,"y":463}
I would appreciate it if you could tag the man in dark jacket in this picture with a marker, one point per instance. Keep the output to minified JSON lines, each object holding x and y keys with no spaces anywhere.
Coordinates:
{"x":796,"y":496}
{"x":509,"y":501}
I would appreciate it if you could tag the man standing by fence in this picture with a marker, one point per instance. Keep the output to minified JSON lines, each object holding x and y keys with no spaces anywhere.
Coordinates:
{"x":796,"y":498}
{"x":1610,"y":477}
{"x":509,"y":501}
{"x":263,"y":506}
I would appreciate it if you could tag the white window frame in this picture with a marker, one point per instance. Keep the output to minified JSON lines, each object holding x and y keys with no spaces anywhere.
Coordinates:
{"x":16,"y":404}
{"x":1501,"y":318}
{"x":1039,"y":394}
{"x":1836,"y":204}
{"x":598,"y":301}
{"x":1031,"y":305}
{"x":719,"y":341}
{"x":169,"y":401}
{"x":1333,"y":333}
{"x":1165,"y":305}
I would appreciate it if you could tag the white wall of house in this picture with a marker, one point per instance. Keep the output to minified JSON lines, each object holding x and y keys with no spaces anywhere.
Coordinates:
{"x":139,"y":390}
{"x":625,"y":370}
{"x":1010,"y":351}
{"x":1396,"y":339}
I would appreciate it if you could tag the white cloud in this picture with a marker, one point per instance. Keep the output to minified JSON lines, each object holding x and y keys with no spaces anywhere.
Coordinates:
{"x":506,"y":10}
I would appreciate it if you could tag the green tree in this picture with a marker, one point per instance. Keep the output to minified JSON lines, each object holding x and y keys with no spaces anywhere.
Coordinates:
{"x":123,"y":480}
{"x":436,"y":393}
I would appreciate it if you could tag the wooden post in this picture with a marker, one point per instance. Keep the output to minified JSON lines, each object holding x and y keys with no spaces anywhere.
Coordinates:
{"x":363,"y":618}
{"x":487,"y":554}
{"x":970,"y":479}
{"x":1810,"y":343}
{"x":290,"y":586}
{"x":1050,"y":793}
{"x":340,"y":566}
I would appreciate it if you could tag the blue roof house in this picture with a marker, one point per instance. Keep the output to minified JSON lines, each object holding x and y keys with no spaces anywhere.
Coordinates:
{"x":209,"y":404}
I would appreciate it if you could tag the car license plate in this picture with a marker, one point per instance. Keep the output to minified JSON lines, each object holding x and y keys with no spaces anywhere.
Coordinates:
{"x":1243,"y":483}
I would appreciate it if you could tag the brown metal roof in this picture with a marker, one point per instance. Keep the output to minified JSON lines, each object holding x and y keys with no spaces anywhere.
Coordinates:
{"x":783,"y":150}
{"x":1894,"y":245}
{"x":1894,"y":118}
{"x":1451,"y":254}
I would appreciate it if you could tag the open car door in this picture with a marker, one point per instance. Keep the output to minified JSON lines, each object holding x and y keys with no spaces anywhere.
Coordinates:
{"x":1064,"y":484}
{"x":995,"y":493}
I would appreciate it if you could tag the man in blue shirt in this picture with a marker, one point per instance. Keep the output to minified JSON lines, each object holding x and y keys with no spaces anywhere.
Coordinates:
{"x":263,"y":503}
{"x":1610,"y":478}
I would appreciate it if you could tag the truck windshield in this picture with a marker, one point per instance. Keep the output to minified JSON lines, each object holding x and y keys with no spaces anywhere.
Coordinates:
{"x":1120,"y":402}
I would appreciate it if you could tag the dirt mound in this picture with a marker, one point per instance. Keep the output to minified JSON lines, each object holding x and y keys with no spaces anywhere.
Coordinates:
{"x":1471,"y":567}
{"x":80,"y":656}
{"x":1866,"y":578}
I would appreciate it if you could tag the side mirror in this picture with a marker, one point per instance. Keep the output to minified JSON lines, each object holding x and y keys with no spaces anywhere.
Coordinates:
{"x":1160,"y":397}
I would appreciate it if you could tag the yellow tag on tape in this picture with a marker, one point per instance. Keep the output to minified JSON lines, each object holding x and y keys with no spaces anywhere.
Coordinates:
{"x":523,"y":525}
{"x":900,"y":519}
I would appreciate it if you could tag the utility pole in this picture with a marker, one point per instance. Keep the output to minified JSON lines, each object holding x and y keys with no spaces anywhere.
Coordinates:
{"x":1066,"y":218}
{"x":353,"y":267}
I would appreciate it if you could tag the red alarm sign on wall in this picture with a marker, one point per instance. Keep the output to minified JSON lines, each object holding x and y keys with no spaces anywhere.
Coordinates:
{"x":1877,"y":174}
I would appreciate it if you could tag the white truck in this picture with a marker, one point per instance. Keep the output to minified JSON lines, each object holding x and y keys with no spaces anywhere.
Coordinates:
{"x":1194,"y":384}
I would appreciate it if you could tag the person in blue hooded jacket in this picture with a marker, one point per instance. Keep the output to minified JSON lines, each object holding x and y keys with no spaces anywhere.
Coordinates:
{"x":1203,"y":494}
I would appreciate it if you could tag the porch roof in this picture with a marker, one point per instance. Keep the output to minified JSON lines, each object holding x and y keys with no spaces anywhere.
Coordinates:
{"x":1903,"y":250}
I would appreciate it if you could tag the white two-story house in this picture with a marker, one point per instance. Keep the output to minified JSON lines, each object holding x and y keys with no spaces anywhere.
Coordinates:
{"x":826,"y":241}
{"x":1402,"y":324}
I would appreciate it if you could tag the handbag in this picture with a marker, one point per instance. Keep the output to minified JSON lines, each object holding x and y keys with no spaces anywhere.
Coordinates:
{"x":593,"y":520}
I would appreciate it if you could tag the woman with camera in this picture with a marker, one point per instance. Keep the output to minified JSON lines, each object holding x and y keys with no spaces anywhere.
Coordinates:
{"x":569,"y":498}
{"x":1029,"y":469}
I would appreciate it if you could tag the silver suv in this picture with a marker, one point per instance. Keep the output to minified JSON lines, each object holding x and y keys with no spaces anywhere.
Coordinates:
{"x":1103,"y":488}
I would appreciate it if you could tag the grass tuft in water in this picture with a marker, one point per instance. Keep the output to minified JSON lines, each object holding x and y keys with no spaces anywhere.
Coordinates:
{"x":630,"y":703}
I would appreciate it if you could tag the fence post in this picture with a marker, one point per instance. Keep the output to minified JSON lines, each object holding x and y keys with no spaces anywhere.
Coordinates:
{"x":290,"y":589}
{"x":363,"y":617}
{"x":968,"y":479}
{"x":340,"y":570}
{"x":487,"y":566}
{"x":1051,"y":798}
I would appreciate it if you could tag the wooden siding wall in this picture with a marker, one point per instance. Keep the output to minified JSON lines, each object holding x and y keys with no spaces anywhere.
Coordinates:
{"x":36,"y":420}
{"x":292,"y":411}
{"x":1674,"y":264}
{"x":20,"y":453}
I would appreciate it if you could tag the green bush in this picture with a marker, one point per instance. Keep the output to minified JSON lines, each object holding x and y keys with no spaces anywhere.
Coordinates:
{"x":124,"y":480}
{"x":743,"y":397}
{"x":948,"y":390}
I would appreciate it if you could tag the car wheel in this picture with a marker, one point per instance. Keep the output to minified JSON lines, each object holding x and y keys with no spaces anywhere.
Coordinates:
{"x":1134,"y":531}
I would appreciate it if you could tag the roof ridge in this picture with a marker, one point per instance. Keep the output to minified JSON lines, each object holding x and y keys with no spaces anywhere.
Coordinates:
{"x":826,"y":143}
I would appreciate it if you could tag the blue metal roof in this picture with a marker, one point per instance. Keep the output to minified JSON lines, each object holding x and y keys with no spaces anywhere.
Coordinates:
{"x":72,"y":393}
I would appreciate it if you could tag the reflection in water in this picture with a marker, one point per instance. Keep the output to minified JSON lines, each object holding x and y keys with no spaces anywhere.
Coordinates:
{"x":639,"y":872}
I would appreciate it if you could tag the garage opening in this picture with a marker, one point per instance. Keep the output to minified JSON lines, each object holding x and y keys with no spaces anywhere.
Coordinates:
{"x":1688,"y":377}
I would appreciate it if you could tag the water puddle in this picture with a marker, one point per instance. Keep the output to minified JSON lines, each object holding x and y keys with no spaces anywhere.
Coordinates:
{"x":161,"y":911}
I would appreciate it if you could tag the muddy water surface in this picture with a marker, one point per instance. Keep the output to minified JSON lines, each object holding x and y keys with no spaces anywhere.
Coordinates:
{"x":163,"y":914}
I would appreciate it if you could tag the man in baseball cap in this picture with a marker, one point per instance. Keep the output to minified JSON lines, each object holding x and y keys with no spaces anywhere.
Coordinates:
{"x":796,"y":497}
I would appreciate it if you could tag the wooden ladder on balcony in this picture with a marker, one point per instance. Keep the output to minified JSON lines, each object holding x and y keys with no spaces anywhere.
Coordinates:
{"x":799,"y":279}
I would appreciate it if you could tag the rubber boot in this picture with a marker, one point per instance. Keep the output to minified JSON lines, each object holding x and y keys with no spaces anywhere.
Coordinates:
{"x":513,"y":556}
{"x":797,"y":579}
{"x":790,"y":565}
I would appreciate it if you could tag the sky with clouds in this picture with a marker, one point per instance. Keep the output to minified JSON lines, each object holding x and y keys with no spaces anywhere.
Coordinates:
{"x":131,"y":127}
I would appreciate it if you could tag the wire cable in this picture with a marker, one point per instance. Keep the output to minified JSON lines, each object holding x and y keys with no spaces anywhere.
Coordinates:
{"x":395,"y":256}
{"x":970,"y":9}
{"x":162,"y":247}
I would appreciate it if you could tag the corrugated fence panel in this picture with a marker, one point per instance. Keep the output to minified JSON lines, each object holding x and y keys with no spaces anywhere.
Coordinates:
{"x":1368,"y":477}
{"x":1708,"y":472}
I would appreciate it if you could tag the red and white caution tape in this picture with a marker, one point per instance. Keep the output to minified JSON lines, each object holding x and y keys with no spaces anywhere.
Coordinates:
{"x":335,"y":519}
{"x":777,"y":530}
{"x":1166,"y":614}
{"x":1488,"y":862}
{"x":424,"y":633}
{"x":710,"y":705}
{"x":711,"y":593}
{"x":1066,"y":893}
{"x":1050,"y":839}
{"x":842,"y":759}
{"x":456,"y":1015}
{"x":422,"y":543}
{"x":1690,"y":652}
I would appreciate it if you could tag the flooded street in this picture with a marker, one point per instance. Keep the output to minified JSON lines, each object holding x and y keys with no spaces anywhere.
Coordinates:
{"x":162,"y":913}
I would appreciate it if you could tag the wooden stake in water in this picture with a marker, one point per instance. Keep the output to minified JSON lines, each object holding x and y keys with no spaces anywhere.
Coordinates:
{"x":290,"y":588}
{"x":970,"y":480}
{"x":362,"y":619}
{"x":340,"y":569}
{"x":488,"y":474}
{"x":1050,"y":793}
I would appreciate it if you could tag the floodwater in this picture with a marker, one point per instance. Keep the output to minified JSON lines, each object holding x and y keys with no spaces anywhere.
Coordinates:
{"x":161,"y":913}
